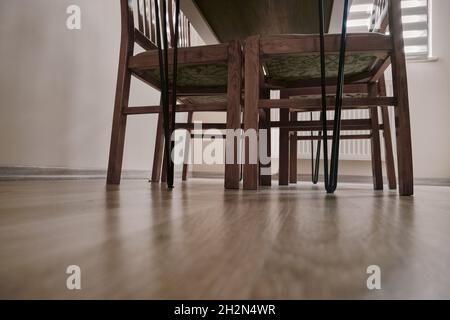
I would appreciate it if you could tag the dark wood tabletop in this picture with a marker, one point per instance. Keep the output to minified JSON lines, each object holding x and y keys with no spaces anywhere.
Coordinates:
{"x":238,"y":19}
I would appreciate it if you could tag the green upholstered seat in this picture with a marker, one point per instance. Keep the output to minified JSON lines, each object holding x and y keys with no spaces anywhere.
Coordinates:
{"x":307,"y":67}
{"x":206,"y":75}
{"x":205,"y":99}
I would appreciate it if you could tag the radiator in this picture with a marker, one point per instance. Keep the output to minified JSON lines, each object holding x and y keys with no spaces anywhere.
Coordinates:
{"x":349,"y":149}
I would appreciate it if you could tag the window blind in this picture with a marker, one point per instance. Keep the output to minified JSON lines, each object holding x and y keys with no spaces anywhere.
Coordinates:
{"x":415,"y":24}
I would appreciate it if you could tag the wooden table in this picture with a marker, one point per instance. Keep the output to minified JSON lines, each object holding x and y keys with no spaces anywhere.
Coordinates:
{"x":238,"y":19}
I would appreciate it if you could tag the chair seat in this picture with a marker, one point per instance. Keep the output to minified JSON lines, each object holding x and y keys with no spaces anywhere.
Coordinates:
{"x":213,"y":99}
{"x":199,"y":76}
{"x":306,"y":67}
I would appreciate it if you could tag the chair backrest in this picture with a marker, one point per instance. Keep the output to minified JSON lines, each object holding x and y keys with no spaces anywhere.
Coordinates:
{"x":379,"y":19}
{"x":142,"y":29}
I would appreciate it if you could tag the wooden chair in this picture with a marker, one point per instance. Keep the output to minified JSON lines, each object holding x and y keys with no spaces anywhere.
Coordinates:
{"x":203,"y":71}
{"x":269,"y":64}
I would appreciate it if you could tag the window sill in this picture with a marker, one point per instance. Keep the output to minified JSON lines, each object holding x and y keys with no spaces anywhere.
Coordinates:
{"x":421,"y":59}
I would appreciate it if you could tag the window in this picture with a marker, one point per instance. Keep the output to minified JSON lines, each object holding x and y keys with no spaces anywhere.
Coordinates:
{"x":415,"y":16}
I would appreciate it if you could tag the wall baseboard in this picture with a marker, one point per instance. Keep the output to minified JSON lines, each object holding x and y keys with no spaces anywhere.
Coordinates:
{"x":38,"y":173}
{"x":343,"y":178}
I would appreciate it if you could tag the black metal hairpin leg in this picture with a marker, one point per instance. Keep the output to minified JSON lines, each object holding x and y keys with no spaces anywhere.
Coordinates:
{"x":331,"y":178}
{"x":315,"y":162}
{"x":168,"y":113}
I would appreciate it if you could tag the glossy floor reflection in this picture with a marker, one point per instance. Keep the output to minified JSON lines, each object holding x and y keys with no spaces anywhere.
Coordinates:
{"x":202,"y":242}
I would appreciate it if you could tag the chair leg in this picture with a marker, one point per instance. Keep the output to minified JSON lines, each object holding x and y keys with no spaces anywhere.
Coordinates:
{"x":252,"y":83}
{"x":119,"y":124}
{"x":387,"y":134}
{"x":266,"y":179}
{"x":402,"y":117}
{"x":293,"y":153}
{"x":159,"y":149}
{"x":186,"y":148}
{"x":377,"y":169}
{"x":389,"y":150}
{"x":283,"y":171}
{"x":404,"y":149}
{"x":232,"y":166}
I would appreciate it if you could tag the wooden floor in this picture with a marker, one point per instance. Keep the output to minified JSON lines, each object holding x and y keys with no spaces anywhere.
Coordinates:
{"x":201,"y":242}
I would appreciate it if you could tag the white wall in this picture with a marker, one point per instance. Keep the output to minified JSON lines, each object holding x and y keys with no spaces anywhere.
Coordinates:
{"x":429,"y":91}
{"x":57,"y":87}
